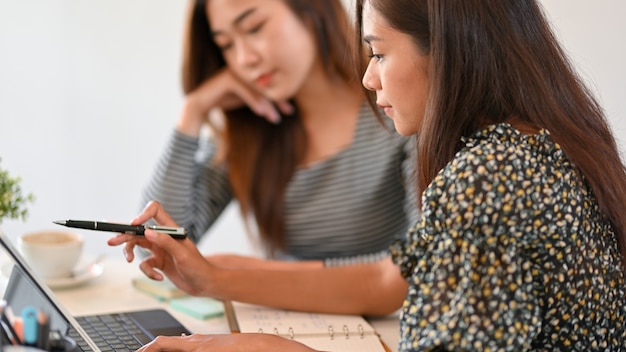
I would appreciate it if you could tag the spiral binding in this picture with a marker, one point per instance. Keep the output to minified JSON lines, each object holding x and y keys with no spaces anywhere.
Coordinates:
{"x":331,"y":332}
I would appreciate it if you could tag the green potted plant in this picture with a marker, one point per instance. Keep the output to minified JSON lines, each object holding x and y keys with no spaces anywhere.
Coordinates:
{"x":12,"y":200}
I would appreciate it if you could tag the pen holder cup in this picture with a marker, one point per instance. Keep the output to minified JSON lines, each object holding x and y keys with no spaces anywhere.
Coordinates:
{"x":70,"y":345}
{"x":61,"y":343}
{"x":66,"y":344}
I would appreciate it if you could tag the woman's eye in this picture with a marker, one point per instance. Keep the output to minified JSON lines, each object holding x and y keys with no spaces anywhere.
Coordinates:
{"x":224,"y":46}
{"x":373,"y":55}
{"x":377,"y":57}
{"x":256,"y":28}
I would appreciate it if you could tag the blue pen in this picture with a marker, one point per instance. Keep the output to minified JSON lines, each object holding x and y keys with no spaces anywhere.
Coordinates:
{"x":31,"y":333}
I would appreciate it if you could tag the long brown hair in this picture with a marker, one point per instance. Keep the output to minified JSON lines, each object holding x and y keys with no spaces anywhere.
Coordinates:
{"x":491,"y":60}
{"x":261,"y":157}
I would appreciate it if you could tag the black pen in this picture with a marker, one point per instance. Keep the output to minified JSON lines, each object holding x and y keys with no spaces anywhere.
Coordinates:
{"x":175,"y":232}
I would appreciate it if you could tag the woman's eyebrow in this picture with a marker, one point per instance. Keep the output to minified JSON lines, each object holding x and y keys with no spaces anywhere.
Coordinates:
{"x":238,"y":19}
{"x":370,"y":38}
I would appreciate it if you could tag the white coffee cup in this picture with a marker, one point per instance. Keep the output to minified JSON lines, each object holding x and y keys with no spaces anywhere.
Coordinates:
{"x":52,"y":254}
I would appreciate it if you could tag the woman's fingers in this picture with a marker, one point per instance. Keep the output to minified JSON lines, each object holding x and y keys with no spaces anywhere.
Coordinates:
{"x":129,"y":251}
{"x":147,"y":267}
{"x":163,"y":343}
{"x":129,"y":242}
{"x":154,"y":210}
{"x":227,"y":91}
{"x":178,"y":250}
{"x":285,"y":107}
{"x":261,"y":105}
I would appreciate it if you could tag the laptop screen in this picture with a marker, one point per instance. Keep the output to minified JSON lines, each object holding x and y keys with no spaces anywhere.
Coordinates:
{"x":20,"y":292}
{"x":20,"y":288}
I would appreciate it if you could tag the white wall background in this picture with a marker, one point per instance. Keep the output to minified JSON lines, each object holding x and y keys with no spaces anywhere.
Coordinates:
{"x":89,"y":93}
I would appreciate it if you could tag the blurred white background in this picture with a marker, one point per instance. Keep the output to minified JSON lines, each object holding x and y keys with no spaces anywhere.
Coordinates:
{"x":90,"y":92}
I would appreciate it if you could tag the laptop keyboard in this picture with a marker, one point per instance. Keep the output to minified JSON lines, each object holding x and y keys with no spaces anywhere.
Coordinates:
{"x":110,"y":332}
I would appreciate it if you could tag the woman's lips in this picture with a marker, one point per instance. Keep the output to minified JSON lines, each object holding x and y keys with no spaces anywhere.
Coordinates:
{"x":388,"y":110}
{"x":264,"y":80}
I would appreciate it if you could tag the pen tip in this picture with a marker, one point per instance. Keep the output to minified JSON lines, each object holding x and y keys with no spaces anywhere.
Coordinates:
{"x":59,"y":222}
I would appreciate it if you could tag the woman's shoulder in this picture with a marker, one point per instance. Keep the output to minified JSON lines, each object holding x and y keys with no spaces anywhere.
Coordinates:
{"x":502,"y":145}
{"x":501,"y":154}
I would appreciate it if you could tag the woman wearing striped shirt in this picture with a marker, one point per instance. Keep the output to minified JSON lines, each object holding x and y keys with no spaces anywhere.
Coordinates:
{"x":295,"y":143}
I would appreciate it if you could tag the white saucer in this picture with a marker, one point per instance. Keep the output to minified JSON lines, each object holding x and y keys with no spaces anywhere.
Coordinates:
{"x":95,"y":271}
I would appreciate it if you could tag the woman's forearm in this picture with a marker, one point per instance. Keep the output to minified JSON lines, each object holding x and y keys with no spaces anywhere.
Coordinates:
{"x":234,"y":261}
{"x":366,"y":289}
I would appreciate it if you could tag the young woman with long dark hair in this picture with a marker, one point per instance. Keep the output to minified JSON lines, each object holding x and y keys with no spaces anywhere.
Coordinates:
{"x":520,"y":245}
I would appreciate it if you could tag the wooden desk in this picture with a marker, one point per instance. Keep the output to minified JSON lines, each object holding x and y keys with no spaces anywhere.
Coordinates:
{"x":113,"y":292}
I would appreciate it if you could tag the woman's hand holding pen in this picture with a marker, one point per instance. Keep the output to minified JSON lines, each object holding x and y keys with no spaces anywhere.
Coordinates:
{"x":226,"y":91}
{"x":179,"y":260}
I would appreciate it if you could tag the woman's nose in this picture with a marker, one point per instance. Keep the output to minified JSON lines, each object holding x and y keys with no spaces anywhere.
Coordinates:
{"x":246,"y":54}
{"x":369,"y":81}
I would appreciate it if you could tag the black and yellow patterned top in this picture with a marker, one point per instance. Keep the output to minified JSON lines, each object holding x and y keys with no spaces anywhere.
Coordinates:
{"x":511,"y":254}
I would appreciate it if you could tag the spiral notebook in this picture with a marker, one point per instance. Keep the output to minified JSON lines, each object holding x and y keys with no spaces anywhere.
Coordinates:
{"x":326,"y":332}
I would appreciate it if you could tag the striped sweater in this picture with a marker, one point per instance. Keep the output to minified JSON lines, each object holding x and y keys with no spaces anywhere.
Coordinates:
{"x":344,"y":209}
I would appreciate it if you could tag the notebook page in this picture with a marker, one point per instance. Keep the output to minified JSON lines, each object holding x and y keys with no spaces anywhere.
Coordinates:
{"x":368,"y":343}
{"x":286,"y":323}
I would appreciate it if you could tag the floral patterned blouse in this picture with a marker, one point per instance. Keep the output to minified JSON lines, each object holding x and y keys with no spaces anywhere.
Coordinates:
{"x":511,"y":254}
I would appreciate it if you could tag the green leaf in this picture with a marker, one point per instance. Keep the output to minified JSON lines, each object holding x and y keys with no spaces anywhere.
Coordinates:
{"x":12,"y":201}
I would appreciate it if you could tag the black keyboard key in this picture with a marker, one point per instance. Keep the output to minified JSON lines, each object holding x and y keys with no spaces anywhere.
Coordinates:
{"x":114,"y":332}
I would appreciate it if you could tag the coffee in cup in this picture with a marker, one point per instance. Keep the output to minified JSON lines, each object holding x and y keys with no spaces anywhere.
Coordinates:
{"x":51,"y":254}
